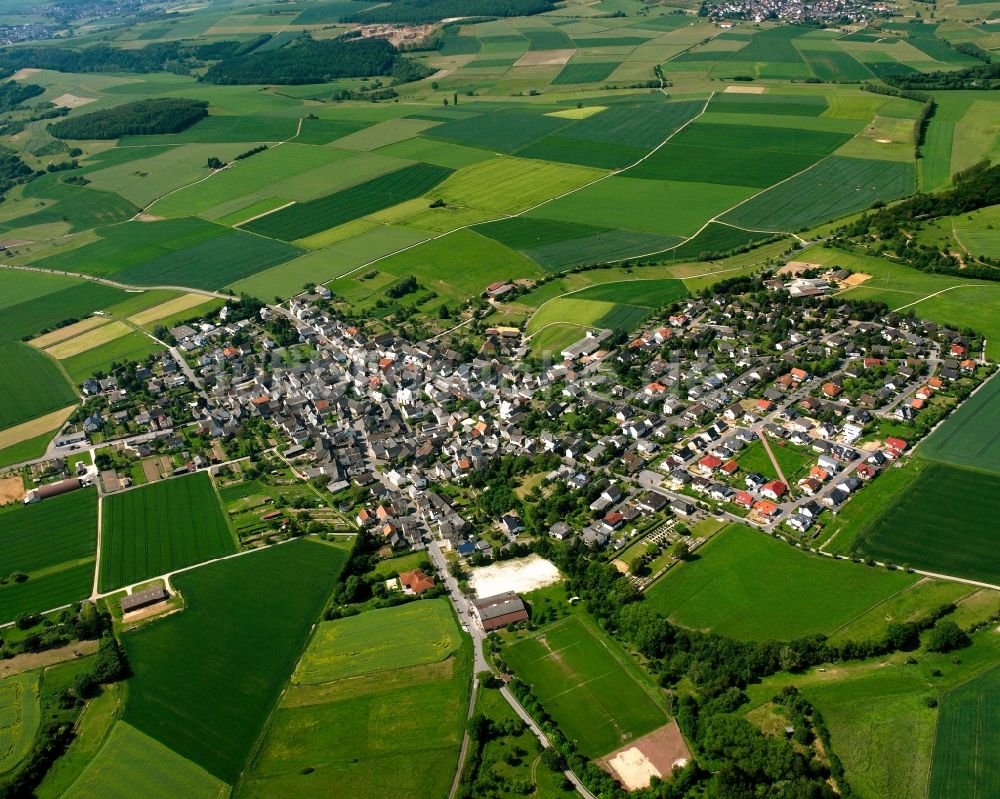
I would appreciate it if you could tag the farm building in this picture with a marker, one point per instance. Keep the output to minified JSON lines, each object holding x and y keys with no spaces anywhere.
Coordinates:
{"x":500,"y":610}
{"x":143,"y":599}
{"x":53,"y":490}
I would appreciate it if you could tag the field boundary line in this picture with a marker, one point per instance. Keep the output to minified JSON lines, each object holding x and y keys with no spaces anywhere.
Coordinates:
{"x":610,"y":283}
{"x":938,"y":293}
{"x":881,"y":602}
{"x":521,"y":213}
{"x":117,"y":284}
{"x":261,"y":215}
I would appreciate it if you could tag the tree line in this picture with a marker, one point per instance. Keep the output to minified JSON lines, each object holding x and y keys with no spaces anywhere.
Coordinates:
{"x":310,"y":61}
{"x":974,"y":188}
{"x":422,"y":12}
{"x":157,"y":115}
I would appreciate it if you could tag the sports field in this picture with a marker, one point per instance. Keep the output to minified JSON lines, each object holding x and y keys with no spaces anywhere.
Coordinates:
{"x":748,"y":585}
{"x":53,"y":542}
{"x":970,"y":436}
{"x":192,"y":666}
{"x":588,"y":685}
{"x":158,"y":528}
{"x":943,"y":523}
{"x":390,"y":725}
{"x":394,"y":638}
{"x":967,"y":739}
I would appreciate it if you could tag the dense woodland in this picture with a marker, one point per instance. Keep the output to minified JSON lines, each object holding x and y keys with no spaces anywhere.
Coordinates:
{"x":316,"y":62}
{"x":425,"y":11}
{"x":893,"y":227}
{"x":983,"y":77}
{"x":12,"y":170}
{"x":159,"y":115}
{"x":13,"y":94}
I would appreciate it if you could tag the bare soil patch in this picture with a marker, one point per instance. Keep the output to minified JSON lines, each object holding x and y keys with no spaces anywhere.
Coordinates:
{"x":11,"y":490}
{"x":28,"y":430}
{"x":544,"y":58}
{"x":37,"y":660}
{"x":72,"y":101}
{"x":22,"y":74}
{"x":857,"y":279}
{"x":744,"y":90}
{"x":144,"y":217}
{"x":520,"y":575}
{"x":652,"y":755}
{"x":794,"y":267}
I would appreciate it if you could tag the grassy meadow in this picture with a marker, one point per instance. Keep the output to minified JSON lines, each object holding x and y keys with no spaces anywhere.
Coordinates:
{"x":390,"y":722}
{"x":747,"y":585}
{"x":185,"y":664}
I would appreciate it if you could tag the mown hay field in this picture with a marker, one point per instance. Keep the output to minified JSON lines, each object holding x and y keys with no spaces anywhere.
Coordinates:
{"x":131,"y":758}
{"x":394,"y":638}
{"x":158,"y":528}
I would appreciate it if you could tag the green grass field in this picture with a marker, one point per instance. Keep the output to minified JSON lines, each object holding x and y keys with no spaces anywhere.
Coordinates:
{"x":64,"y":302}
{"x":133,"y":346}
{"x":969,"y":437}
{"x":834,"y":187}
{"x":748,"y":585}
{"x":943,"y":523}
{"x":187,"y":251}
{"x":968,"y":734}
{"x":161,"y":527}
{"x":587,"y":684}
{"x":38,"y":538}
{"x":40,"y":387}
{"x":189,"y":666}
{"x":20,"y":716}
{"x":305,"y":219}
{"x":389,"y":725}
{"x":131,"y":763}
{"x":677,"y":208}
{"x":394,"y":638}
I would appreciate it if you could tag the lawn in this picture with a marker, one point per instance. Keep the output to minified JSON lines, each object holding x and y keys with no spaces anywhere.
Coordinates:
{"x":131,"y":763}
{"x":966,"y":740}
{"x":748,"y":585}
{"x":969,"y":436}
{"x":304,"y":219}
{"x":40,"y":387}
{"x":647,"y":293}
{"x":161,"y":527}
{"x":793,"y":462}
{"x":380,"y":640}
{"x":596,"y":695}
{"x":226,"y":658}
{"x":385,"y":730}
{"x":943,"y":523}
